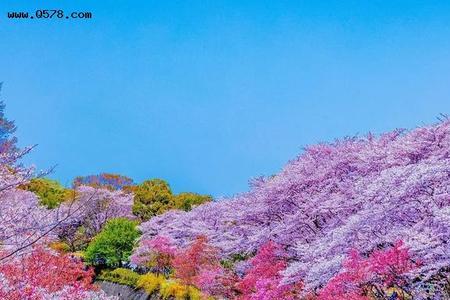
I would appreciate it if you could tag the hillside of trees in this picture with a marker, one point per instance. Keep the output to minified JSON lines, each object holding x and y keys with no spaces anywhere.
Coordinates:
{"x":357,"y":219}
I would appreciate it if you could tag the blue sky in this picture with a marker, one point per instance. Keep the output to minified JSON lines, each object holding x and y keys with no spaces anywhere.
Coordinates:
{"x":207,"y":94}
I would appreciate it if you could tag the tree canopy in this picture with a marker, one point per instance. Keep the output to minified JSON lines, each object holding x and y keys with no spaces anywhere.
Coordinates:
{"x":7,"y":128}
{"x":50,"y":192}
{"x":113,"y":245}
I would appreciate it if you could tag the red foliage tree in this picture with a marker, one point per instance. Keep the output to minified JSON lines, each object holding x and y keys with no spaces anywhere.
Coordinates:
{"x":199,"y":265}
{"x":188,"y":262}
{"x":42,"y":275}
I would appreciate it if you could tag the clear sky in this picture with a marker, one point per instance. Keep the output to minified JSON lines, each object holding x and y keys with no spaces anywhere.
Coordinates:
{"x":207,"y":94}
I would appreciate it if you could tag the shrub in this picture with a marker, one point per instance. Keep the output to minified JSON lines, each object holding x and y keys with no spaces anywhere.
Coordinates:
{"x":60,"y":247}
{"x":120,"y":276}
{"x":113,"y":245}
{"x":172,"y":288}
{"x":150,"y":282}
{"x":168,"y":288}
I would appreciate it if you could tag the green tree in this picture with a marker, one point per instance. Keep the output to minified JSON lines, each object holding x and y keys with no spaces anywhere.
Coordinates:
{"x":114,"y":244}
{"x":186,"y":201}
{"x":7,"y":128}
{"x":151,"y":198}
{"x":49,"y":192}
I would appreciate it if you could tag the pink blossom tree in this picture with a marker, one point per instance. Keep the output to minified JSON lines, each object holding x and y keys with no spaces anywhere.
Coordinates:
{"x":157,"y":254}
{"x":264,"y":278}
{"x":90,"y":209}
{"x":23,"y":222}
{"x":361,"y":192}
{"x":362,"y":277}
{"x":42,"y":275}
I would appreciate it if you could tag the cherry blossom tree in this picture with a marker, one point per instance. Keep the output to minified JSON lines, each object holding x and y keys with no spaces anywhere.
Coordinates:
{"x":28,"y":270}
{"x":156,"y":254}
{"x":359,"y":192}
{"x":92,"y":208}
{"x":23,"y":222}
{"x":365,"y":278}
{"x":189,"y":262}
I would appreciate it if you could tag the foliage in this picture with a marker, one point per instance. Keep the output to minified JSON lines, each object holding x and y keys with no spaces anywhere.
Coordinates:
{"x":190,"y":261}
{"x":438,"y":284}
{"x":104,"y":180}
{"x":198,"y":265}
{"x":120,"y":276}
{"x":217,"y":282}
{"x":363,"y":277}
{"x":43,"y":275}
{"x":173,"y":289}
{"x":92,"y":209}
{"x":113,"y":245}
{"x":60,"y":247}
{"x":151,"y":198}
{"x":186,"y":201}
{"x":263,"y":279}
{"x":154,"y":197}
{"x":358,"y":192}
{"x":168,"y":288}
{"x":233,"y":260}
{"x":75,"y":235}
{"x":150,"y":282}
{"x":50,"y":193}
{"x":7,"y":129}
{"x":23,"y":222}
{"x":156,"y":254}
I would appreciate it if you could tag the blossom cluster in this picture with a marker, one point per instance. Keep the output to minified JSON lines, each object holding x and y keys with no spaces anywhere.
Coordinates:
{"x":362,"y":192}
{"x":93,"y":207}
{"x":43,"y":275}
